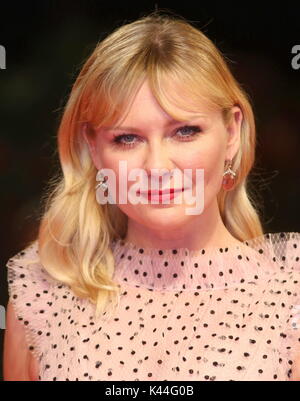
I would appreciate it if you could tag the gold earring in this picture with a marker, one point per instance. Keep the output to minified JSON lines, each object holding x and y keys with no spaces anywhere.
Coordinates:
{"x":228,"y":177}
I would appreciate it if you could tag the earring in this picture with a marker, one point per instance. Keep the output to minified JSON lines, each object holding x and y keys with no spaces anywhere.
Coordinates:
{"x":228,"y":177}
{"x":102,"y":182}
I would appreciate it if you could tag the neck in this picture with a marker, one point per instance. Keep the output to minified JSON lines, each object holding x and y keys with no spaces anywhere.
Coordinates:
{"x":201,"y":231}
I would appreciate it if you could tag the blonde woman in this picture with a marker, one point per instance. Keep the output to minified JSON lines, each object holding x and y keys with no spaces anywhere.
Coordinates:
{"x":148,"y":290}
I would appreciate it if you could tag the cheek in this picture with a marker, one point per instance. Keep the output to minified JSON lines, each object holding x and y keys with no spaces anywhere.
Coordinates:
{"x":213,"y":169}
{"x":122,"y":168}
{"x":109,"y":159}
{"x":210,"y":161}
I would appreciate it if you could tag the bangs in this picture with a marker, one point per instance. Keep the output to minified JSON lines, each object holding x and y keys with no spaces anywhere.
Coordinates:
{"x":180,"y":96}
{"x":181,"y":92}
{"x":108,"y":102}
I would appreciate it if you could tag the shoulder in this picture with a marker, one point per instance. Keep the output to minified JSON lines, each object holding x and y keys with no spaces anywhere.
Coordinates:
{"x":29,"y":283}
{"x":30,"y":299}
{"x":24,"y":269}
{"x":278,"y":250}
{"x":18,"y":362}
{"x":285,"y":247}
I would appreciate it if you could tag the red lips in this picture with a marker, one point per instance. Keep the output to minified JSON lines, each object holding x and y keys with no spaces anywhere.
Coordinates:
{"x":160,"y":192}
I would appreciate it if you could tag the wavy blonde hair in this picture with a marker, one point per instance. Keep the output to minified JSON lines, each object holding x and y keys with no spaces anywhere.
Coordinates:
{"x":75,"y":231}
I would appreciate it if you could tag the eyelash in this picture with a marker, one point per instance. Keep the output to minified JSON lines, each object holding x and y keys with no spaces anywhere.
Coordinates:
{"x":117,"y":139}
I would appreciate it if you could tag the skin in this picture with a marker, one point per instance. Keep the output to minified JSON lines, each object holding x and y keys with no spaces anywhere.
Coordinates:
{"x":163,"y":226}
{"x":162,"y":147}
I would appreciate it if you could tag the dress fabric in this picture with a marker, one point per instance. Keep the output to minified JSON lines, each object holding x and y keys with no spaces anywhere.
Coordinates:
{"x":223,"y":314}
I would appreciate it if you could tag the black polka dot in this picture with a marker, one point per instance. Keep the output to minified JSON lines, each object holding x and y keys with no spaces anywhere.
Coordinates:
{"x":205,"y":316}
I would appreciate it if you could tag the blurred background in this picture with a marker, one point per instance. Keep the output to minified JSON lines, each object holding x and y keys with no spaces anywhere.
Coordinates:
{"x":47,"y":41}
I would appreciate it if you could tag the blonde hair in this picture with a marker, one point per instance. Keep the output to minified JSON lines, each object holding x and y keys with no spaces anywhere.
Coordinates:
{"x":75,"y":232}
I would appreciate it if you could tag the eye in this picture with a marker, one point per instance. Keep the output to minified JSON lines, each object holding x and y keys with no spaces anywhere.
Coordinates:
{"x":118,"y":140}
{"x":188,"y":129}
{"x":189,"y":132}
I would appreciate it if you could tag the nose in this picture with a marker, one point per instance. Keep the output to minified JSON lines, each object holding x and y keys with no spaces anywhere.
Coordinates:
{"x":158,"y":160}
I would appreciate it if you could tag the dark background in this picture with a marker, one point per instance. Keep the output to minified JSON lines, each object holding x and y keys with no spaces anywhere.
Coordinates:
{"x":47,"y":41}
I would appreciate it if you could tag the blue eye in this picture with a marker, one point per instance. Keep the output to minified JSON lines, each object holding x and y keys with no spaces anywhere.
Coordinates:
{"x":118,"y":139}
{"x":188,"y":129}
{"x":191,"y":131}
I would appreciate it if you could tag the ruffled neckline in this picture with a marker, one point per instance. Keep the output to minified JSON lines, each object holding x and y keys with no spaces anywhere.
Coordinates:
{"x":181,"y":269}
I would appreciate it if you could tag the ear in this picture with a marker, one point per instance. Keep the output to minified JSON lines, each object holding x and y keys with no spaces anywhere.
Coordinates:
{"x":88,"y":134}
{"x":234,"y":132}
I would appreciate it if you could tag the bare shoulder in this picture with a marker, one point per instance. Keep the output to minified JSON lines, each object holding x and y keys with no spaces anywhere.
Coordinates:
{"x":19,"y":363}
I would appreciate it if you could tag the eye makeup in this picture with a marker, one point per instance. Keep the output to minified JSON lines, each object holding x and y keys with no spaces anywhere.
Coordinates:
{"x":192,"y":132}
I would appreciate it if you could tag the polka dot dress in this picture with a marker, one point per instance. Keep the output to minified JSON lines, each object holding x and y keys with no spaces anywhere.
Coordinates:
{"x":214,"y":314}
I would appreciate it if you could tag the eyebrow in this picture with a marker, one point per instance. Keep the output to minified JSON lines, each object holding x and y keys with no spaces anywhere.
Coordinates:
{"x":170,"y":123}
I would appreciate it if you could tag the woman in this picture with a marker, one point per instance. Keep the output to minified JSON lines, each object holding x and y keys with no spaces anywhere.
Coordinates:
{"x":148,"y":290}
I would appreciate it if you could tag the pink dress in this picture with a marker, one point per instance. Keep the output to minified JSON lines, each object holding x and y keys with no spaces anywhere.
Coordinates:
{"x":213,"y":314}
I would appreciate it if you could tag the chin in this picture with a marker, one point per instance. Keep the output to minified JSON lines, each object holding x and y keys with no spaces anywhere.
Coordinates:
{"x":165,"y":218}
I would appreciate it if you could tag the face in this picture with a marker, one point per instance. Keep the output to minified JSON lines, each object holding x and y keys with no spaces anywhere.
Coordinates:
{"x":149,"y":138}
